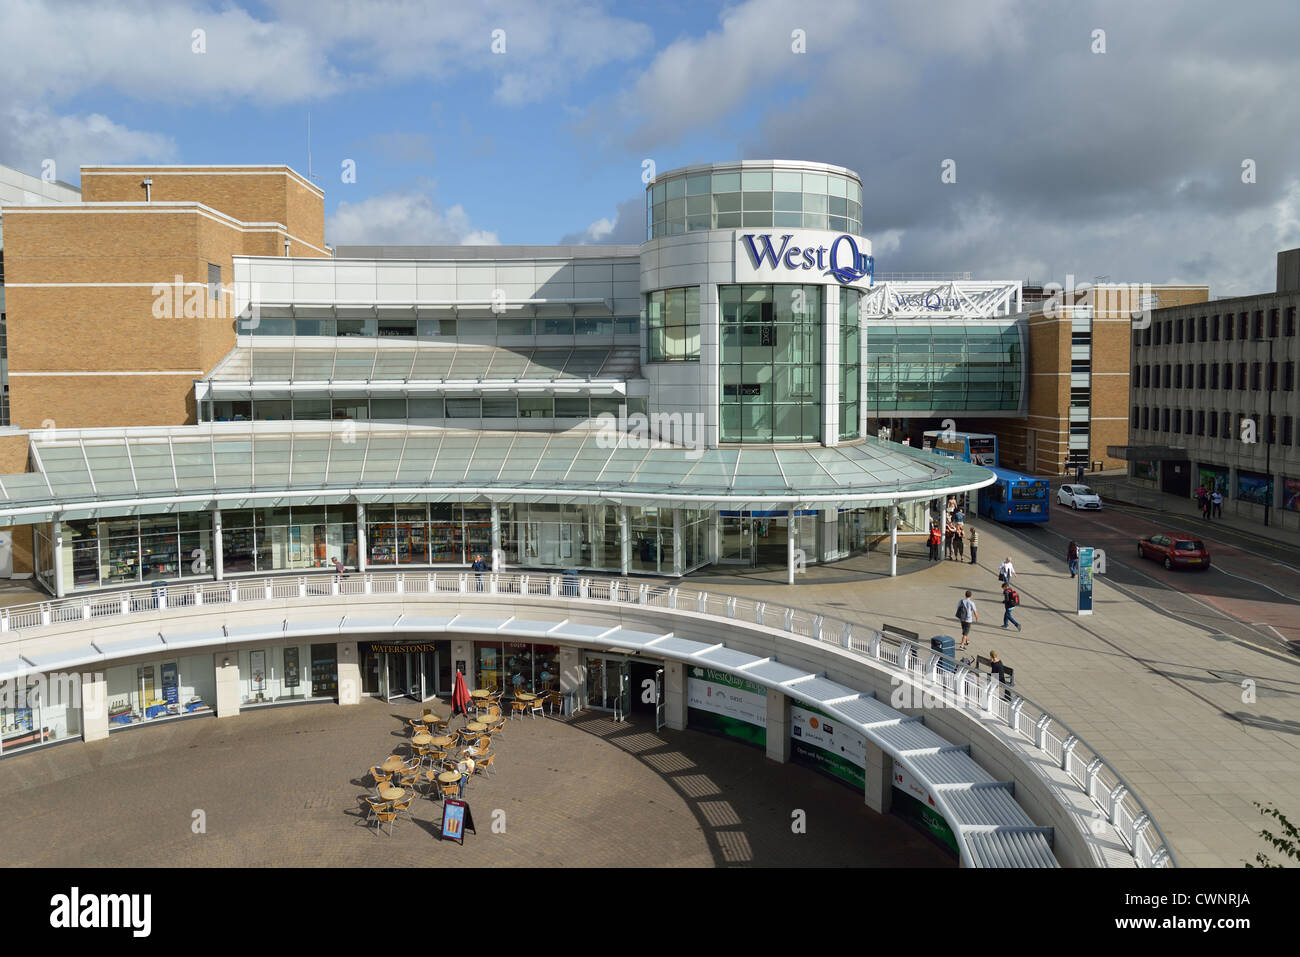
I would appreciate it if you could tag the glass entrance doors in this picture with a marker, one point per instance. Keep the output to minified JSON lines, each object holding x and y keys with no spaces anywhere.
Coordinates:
{"x":608,"y":683}
{"x":737,"y":540}
{"x":390,"y":672}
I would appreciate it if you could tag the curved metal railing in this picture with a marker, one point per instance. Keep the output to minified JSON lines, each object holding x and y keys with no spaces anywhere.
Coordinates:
{"x":940,"y":675}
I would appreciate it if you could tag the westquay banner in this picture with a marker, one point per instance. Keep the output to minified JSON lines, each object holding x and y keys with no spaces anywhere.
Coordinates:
{"x":803,"y":256}
{"x":914,"y":801}
{"x":822,"y":742}
{"x":727,"y":704}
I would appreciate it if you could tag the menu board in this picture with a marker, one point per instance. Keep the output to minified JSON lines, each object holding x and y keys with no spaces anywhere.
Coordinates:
{"x":291,"y":667}
{"x":257,"y":670}
{"x":727,"y":704}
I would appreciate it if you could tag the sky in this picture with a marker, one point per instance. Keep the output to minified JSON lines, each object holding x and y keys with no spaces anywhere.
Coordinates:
{"x":1153,"y":142}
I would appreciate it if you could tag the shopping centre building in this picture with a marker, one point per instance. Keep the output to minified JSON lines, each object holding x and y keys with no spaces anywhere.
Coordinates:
{"x":201,"y":388}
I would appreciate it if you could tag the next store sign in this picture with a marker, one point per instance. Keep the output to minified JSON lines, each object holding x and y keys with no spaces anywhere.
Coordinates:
{"x":846,"y":258}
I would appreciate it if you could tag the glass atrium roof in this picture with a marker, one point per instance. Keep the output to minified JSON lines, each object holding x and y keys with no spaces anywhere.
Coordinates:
{"x":103,"y":472}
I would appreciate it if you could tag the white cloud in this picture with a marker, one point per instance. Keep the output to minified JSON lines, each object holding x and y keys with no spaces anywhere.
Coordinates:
{"x":28,"y":137}
{"x":627,"y":228}
{"x":407,"y":217}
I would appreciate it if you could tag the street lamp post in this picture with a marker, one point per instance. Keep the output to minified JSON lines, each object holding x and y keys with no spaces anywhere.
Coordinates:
{"x":1268,"y":435}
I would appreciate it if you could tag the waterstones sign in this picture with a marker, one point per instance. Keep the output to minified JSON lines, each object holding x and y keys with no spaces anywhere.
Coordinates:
{"x":804,"y":256}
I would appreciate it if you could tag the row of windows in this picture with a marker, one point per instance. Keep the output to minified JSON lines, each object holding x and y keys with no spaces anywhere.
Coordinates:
{"x":1210,"y":376}
{"x":673,"y":324}
{"x":1211,"y":328}
{"x":1214,"y":424}
{"x":759,"y":198}
{"x":442,"y":328}
{"x":422,"y":409}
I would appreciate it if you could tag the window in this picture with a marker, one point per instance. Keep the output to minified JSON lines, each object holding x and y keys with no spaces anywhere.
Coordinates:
{"x":1204,"y":323}
{"x":1187,"y":421}
{"x":1271,"y":385}
{"x":1214,"y":425}
{"x":1286,"y":430}
{"x":1214,"y":376}
{"x":1226,"y":424}
{"x":1288,"y":377}
{"x":1146,"y":376}
{"x":1133,"y":419}
{"x":1146,"y":417}
{"x":1200,"y":376}
{"x":1200,"y":422}
{"x":1157,"y":325}
{"x":1169,"y":332}
{"x":1255,"y":368}
{"x":1259,"y":324}
{"x":1177,"y":422}
{"x":1227,"y":377}
{"x":1187,"y":375}
{"x":1241,"y":377}
{"x":214,"y":281}
{"x":1270,"y":429}
{"x":1241,"y":325}
{"x":1178,"y":377}
{"x":1169,"y":376}
{"x":1164,"y":420}
{"x":1290,"y":321}
{"x":1178,"y":331}
{"x":1272,"y":323}
{"x":673,"y":324}
{"x":1214,"y":328}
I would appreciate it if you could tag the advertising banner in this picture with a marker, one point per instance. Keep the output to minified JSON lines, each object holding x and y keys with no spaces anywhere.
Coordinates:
{"x":1085,"y":581}
{"x":726,"y":704}
{"x":1212,"y":478}
{"x":914,"y":801}
{"x":257,"y":670}
{"x":1291,"y":494}
{"x":171,"y":686}
{"x":291,"y":667}
{"x":1254,"y":487}
{"x":822,"y":742}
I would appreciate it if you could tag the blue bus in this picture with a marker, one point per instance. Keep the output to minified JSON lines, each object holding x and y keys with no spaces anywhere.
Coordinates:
{"x":978,"y":448}
{"x":1016,"y":498}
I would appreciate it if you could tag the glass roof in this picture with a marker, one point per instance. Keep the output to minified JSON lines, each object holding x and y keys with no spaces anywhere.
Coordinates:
{"x":250,"y":459}
{"x":413,"y":363}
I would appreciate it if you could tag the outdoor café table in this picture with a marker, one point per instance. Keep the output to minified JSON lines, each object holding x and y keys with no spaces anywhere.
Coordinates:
{"x":394,"y":763}
{"x":481,"y":693}
{"x":392,"y":793}
{"x":442,"y":742}
{"x":422,"y":738}
{"x":449,"y":777}
{"x":475,"y":726}
{"x":526,"y":696}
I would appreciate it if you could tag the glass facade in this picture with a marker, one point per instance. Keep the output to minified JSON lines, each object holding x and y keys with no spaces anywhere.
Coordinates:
{"x":38,"y":709}
{"x":944,"y":368}
{"x":767,"y":198}
{"x":512,"y":666}
{"x":850,"y":363}
{"x":424,"y":409}
{"x":477,"y":330}
{"x":125,"y":551}
{"x":427,"y":534}
{"x":276,"y":539}
{"x":281,"y":674}
{"x":770,"y":363}
{"x":561,"y":536}
{"x":161,"y":688}
{"x":673,"y":324}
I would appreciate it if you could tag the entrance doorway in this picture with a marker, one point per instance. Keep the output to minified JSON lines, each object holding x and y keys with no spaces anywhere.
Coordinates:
{"x":644,"y":680}
{"x":609,"y":683}
{"x":1176,"y":478}
{"x":417,"y":671}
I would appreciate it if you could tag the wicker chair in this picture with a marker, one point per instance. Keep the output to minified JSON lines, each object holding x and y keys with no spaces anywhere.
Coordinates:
{"x":483,"y":763}
{"x":517,"y":707}
{"x":386,"y":815}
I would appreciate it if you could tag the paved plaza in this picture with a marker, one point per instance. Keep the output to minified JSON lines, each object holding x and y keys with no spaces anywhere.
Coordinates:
{"x":282,"y":787}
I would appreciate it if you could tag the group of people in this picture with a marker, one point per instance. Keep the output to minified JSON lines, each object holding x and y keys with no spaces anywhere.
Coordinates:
{"x":1209,"y":500}
{"x":953,"y":535}
{"x":968,"y":614}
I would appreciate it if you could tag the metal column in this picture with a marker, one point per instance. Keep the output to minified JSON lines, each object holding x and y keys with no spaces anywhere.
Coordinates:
{"x":789,"y":546}
{"x":893,"y":541}
{"x":498,"y":557}
{"x":624,"y":542}
{"x":361,"y":537}
{"x":218,"y":547}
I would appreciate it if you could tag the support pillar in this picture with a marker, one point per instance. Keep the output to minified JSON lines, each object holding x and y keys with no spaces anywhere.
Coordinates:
{"x":94,"y":706}
{"x":714,"y":537}
{"x":349,"y":664}
{"x":675,"y":700}
{"x":227,"y":669}
{"x":218,"y":546}
{"x":56,"y":538}
{"x":893,"y":541}
{"x":498,"y":556}
{"x":463,"y":651}
{"x":880,"y":779}
{"x":789,"y":546}
{"x":361,"y":537}
{"x":678,"y":559}
{"x":778,"y":726}
{"x":624,"y":542}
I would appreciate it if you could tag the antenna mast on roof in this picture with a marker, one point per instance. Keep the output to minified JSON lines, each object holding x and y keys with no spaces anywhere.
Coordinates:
{"x":309,"y":176}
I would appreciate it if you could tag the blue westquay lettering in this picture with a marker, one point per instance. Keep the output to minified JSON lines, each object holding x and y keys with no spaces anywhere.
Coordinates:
{"x":768,"y":254}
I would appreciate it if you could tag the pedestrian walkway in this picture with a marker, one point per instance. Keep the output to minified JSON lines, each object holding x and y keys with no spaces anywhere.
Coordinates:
{"x":1198,"y":725}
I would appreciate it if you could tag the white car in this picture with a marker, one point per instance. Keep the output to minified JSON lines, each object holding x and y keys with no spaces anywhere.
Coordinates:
{"x":1078,"y":496}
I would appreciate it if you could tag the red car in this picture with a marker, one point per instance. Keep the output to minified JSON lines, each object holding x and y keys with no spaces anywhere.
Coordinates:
{"x":1175,"y":551}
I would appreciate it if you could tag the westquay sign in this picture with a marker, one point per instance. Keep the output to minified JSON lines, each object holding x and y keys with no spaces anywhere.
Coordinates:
{"x":799,"y":256}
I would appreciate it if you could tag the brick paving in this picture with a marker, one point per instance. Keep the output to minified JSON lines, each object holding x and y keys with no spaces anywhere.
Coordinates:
{"x":282,"y":787}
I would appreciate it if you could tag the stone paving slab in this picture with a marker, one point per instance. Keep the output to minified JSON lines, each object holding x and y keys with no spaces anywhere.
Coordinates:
{"x":281,"y":787}
{"x":1135,"y":684}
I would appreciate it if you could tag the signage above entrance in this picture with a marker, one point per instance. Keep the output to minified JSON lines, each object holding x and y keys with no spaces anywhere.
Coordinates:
{"x":802,"y":255}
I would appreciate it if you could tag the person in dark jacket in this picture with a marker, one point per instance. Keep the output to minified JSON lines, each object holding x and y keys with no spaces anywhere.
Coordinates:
{"x":1072,"y":558}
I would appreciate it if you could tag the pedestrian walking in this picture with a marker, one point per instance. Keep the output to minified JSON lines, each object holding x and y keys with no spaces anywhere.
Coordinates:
{"x":479,"y":567}
{"x":1216,"y":499}
{"x":1072,"y":558}
{"x":967,"y":614}
{"x":936,"y":539}
{"x":1010,"y":599}
{"x":1205,"y":508}
{"x":1006,"y":571}
{"x":949,"y":539}
{"x":1078,"y":475}
{"x":340,"y":569}
{"x":959,"y":543}
{"x":974,"y":543}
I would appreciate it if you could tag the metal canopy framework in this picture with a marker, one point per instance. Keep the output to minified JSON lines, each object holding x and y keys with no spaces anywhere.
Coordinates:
{"x":247,"y":296}
{"x":409,"y":369}
{"x":955,"y":299}
{"x":90,"y":472}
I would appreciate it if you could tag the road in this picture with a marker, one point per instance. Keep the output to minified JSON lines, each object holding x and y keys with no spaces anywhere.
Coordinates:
{"x":1250,"y":592}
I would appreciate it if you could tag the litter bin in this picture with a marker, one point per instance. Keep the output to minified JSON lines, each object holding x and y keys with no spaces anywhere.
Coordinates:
{"x":945,"y":645}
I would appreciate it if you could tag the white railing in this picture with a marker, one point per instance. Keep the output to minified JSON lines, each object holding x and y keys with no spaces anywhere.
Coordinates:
{"x":937,"y":674}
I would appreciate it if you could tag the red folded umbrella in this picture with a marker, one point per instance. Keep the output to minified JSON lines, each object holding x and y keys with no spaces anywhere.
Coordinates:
{"x":460,"y":696}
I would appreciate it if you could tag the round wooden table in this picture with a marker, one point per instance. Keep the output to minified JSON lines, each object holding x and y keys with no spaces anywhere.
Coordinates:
{"x":449,"y":777}
{"x":422,"y":738}
{"x":442,"y":741}
{"x":392,"y":794}
{"x":394,"y":763}
{"x":526,"y":696}
{"x":480,"y":694}
{"x":474,"y":727}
